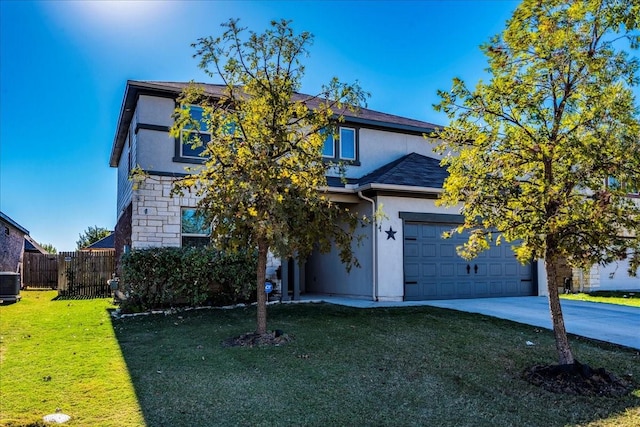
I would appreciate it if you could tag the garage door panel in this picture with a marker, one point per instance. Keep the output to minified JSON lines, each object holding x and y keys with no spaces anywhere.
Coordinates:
{"x":496,"y":269}
{"x":429,"y":250}
{"x":447,"y":270}
{"x":512,"y":269}
{"x":411,"y":249}
{"x":412,"y":271}
{"x":440,"y":273}
{"x":481,"y":289}
{"x":447,"y":250}
{"x":410,"y":230}
{"x":461,"y":270}
{"x":429,"y":270}
{"x":427,"y":232}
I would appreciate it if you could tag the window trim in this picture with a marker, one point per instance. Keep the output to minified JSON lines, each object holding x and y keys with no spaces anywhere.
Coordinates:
{"x":614,"y":183}
{"x":180,"y":156}
{"x":199,"y":235}
{"x":337,"y":147}
{"x":348,"y":129}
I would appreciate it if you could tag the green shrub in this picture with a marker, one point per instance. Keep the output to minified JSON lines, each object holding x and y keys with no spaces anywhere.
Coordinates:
{"x":169,"y":277}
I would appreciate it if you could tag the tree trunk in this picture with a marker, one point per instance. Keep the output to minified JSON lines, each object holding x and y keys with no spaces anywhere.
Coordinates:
{"x":261,"y":275}
{"x":565,"y":356}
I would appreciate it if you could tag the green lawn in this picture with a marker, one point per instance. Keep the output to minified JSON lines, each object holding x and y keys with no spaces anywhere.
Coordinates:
{"x":401,"y":366}
{"x":609,"y":297}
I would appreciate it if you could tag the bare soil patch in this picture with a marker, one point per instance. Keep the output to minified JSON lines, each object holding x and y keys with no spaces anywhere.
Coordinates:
{"x":252,"y":339}
{"x":577,"y":379}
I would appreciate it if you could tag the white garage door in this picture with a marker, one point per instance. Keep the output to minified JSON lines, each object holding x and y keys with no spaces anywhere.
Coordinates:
{"x":433,"y":269}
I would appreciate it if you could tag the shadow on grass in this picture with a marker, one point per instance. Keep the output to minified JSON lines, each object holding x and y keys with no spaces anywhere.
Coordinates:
{"x":397,"y":366}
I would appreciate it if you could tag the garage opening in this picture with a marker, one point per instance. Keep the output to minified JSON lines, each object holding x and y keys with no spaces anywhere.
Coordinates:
{"x":433,"y":269}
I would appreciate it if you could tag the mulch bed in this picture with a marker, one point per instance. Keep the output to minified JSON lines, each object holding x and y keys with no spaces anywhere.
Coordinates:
{"x":577,"y":379}
{"x":252,"y":339}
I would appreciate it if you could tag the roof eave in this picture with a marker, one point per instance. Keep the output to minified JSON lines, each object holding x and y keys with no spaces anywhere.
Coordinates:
{"x":388,"y":125}
{"x":133,"y":89}
{"x":354,"y":189}
{"x":399,"y":188}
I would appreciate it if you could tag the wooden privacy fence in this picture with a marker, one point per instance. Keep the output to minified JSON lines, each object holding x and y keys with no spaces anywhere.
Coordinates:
{"x":74,"y":273}
{"x":40,"y":270}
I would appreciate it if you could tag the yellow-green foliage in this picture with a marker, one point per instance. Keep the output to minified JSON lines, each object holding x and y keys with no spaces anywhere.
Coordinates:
{"x":263,"y":167}
{"x":530,"y":150}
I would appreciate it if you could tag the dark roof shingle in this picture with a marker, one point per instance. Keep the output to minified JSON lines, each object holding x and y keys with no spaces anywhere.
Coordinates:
{"x":412,"y":169}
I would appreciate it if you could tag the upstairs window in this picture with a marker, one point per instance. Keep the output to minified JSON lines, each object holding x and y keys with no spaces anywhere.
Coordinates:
{"x":344,"y":148}
{"x":193,"y":228}
{"x":329,"y":148}
{"x":347,"y":144}
{"x":189,"y":134}
{"x":630,"y":188}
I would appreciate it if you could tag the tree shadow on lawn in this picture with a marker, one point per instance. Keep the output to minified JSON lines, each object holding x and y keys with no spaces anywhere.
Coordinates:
{"x":421,"y":361}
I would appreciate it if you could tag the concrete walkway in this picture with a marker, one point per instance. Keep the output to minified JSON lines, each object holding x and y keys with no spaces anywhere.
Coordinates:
{"x":616,"y":324}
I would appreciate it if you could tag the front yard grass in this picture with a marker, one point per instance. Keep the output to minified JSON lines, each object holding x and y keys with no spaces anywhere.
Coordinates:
{"x":629,"y":298}
{"x":396,"y":367}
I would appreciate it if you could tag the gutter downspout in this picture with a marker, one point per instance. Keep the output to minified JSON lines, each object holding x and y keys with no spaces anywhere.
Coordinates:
{"x":374,"y":245}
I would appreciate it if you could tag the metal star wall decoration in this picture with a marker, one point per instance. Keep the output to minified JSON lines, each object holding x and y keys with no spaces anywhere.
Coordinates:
{"x":390,"y":233}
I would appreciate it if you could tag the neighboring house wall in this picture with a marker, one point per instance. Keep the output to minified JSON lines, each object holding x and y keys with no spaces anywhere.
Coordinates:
{"x":610,"y":277}
{"x":11,"y":246}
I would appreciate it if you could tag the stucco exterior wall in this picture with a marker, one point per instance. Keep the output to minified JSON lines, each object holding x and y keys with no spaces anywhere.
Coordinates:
{"x":377,"y":148}
{"x":326,"y":274}
{"x":155,"y":110}
{"x":156,"y":148}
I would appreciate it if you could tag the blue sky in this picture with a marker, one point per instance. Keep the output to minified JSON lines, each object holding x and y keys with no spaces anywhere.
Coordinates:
{"x":64,"y":66}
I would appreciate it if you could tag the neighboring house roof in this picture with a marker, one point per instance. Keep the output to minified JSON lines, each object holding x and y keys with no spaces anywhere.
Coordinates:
{"x":172,"y":89}
{"x":11,"y":222}
{"x":31,"y":245}
{"x":107,"y":242}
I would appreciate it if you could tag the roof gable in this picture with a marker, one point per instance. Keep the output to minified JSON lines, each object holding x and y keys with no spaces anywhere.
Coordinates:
{"x":412,"y":169}
{"x":14,"y":224}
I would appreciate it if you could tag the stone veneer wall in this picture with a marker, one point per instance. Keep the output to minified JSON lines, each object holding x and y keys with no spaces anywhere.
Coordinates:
{"x":586,"y":280}
{"x":155,"y":216}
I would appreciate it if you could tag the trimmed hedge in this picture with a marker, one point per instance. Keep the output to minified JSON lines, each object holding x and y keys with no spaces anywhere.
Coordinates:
{"x":171,"y":277}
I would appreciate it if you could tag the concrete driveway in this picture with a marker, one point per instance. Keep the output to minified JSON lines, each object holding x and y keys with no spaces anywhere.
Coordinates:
{"x":605,"y":322}
{"x":612,"y":323}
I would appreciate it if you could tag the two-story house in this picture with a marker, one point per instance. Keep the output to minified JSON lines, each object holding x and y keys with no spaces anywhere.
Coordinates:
{"x":389,"y":164}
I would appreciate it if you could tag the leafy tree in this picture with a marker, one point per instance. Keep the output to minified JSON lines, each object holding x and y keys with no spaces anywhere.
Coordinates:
{"x":263,"y":166}
{"x":535,"y":146}
{"x":49,"y":248}
{"x":91,"y":235}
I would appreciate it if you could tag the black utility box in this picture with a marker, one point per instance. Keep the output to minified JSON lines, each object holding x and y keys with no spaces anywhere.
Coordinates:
{"x":9,"y":287}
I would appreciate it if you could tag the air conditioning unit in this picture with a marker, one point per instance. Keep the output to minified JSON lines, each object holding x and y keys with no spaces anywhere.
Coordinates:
{"x":9,"y":287}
